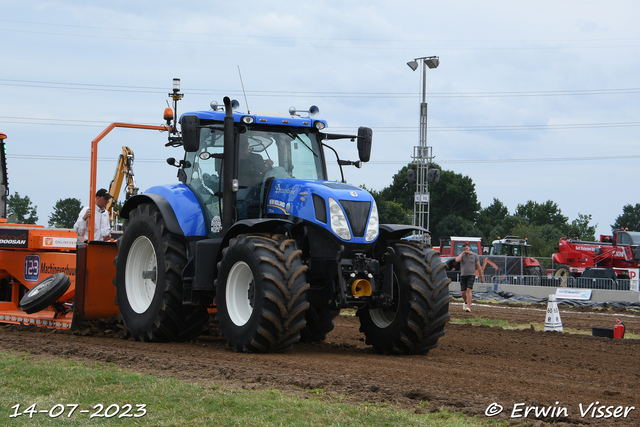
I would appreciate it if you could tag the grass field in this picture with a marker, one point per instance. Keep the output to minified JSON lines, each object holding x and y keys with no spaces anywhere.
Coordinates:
{"x":52,"y":393}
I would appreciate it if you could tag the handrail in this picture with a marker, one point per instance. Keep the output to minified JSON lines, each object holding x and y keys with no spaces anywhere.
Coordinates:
{"x":94,"y":163}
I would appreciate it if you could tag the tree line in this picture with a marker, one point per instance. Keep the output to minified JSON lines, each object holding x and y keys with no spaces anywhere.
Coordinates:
{"x":455,"y":211}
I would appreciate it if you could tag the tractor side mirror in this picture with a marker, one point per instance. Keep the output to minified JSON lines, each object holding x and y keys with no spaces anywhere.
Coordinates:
{"x":411,"y":177}
{"x":365,"y":136}
{"x":190,"y":133}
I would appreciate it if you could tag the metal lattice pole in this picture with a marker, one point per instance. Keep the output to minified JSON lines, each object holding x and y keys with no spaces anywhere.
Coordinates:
{"x":423,"y":154}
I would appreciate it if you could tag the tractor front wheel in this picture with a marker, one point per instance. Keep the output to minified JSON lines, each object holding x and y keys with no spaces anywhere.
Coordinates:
{"x":417,"y":317}
{"x":261,"y":293}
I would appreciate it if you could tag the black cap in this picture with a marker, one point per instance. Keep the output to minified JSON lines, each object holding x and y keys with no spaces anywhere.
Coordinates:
{"x":103,"y":193}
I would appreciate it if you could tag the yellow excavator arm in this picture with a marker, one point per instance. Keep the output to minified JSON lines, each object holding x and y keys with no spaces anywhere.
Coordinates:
{"x":124,"y":171}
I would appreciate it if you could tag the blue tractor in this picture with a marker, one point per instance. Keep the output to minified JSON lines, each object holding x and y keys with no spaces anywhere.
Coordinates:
{"x":255,"y":229}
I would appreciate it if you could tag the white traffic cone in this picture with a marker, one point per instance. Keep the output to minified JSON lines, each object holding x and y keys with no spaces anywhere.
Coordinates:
{"x":552,"y":320}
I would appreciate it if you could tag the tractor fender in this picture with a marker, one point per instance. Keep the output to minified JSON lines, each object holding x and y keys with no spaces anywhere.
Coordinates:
{"x":178,"y":205}
{"x":256,"y":225}
{"x":397,"y":231}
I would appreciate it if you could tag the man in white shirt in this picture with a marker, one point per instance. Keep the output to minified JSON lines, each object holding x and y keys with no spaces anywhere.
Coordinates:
{"x":102,"y":227}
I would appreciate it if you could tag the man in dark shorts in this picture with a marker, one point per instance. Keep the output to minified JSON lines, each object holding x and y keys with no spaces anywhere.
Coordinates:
{"x":469,"y":262}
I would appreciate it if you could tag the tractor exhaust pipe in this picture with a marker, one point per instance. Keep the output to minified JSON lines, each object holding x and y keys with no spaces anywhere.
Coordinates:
{"x":228,"y":170}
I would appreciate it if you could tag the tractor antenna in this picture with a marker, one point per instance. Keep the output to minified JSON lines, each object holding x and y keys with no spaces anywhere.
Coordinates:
{"x":243,"y":92}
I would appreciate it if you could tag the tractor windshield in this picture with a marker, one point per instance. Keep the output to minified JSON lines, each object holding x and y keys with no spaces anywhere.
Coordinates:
{"x":509,"y":249}
{"x":263,"y":152}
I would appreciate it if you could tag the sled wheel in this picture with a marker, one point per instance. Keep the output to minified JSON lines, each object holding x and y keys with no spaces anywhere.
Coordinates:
{"x":149,"y":281}
{"x":261,"y":293}
{"x":417,"y":317}
{"x":319,"y":323}
{"x":45,"y":293}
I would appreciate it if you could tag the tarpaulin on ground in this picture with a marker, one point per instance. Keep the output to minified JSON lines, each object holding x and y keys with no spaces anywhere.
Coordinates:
{"x":503,"y":296}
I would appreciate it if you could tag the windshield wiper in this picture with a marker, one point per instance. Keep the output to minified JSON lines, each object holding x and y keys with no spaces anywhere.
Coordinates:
{"x":294,"y":135}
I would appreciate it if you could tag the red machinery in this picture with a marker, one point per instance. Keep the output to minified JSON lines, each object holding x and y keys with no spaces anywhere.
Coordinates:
{"x":617,"y":254}
{"x":46,"y":279}
{"x":508,"y":256}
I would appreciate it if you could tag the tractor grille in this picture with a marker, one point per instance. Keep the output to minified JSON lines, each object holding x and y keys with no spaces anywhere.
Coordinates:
{"x":357,"y":214}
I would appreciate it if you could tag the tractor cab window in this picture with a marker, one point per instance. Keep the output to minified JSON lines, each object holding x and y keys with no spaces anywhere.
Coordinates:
{"x":267,"y":152}
{"x":263,"y":153}
{"x":204,"y":173}
{"x":624,"y":239}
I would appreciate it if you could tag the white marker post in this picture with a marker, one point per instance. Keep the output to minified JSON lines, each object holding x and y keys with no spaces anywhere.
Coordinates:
{"x":552,"y":320}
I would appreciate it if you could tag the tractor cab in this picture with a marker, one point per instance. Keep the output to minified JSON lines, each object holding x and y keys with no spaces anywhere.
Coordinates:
{"x":263,"y":153}
{"x":274,"y":163}
{"x":510,"y":246}
{"x":626,"y":238}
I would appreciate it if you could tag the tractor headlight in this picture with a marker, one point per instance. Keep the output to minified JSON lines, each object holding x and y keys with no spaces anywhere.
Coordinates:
{"x":339,"y":224}
{"x":372,"y":227}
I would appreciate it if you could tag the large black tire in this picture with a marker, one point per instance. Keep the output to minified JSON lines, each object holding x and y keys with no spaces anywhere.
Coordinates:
{"x":319,"y":323}
{"x":151,"y":304}
{"x":261,"y":293}
{"x":534,"y":270}
{"x":534,"y":274}
{"x":416,"y":320}
{"x":45,"y":293}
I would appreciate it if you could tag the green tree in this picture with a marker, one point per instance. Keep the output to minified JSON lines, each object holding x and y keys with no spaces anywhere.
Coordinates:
{"x":542,"y":238}
{"x":630,"y":218}
{"x":392,"y":213}
{"x":581,"y":225}
{"x":65,"y":213}
{"x":453,"y":225}
{"x":490,"y":217}
{"x":455,"y":194}
{"x":541,"y":214}
{"x":399,"y":191}
{"x":506,"y":227}
{"x":20,"y":210}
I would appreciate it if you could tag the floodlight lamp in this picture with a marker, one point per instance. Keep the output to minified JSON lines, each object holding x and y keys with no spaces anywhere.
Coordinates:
{"x":413,"y":65}
{"x":432,"y":62}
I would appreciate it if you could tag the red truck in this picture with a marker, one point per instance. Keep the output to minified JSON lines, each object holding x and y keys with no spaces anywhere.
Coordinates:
{"x":611,"y":257}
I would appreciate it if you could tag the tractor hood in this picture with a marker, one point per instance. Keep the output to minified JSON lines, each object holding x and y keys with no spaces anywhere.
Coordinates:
{"x":347,"y":211}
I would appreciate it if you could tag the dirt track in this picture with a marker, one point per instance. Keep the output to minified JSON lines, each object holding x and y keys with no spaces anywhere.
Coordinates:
{"x":472,"y":368}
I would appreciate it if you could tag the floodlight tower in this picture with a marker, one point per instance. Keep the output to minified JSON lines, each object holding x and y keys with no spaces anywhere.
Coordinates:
{"x":422,"y":154}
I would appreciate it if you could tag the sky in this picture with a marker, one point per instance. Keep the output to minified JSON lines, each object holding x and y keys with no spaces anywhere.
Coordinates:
{"x":532,"y":100}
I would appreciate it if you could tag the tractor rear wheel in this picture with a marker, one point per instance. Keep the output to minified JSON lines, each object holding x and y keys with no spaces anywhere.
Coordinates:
{"x":535,"y":273}
{"x":45,"y":293}
{"x":261,"y":293}
{"x":149,"y":280}
{"x":416,"y":320}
